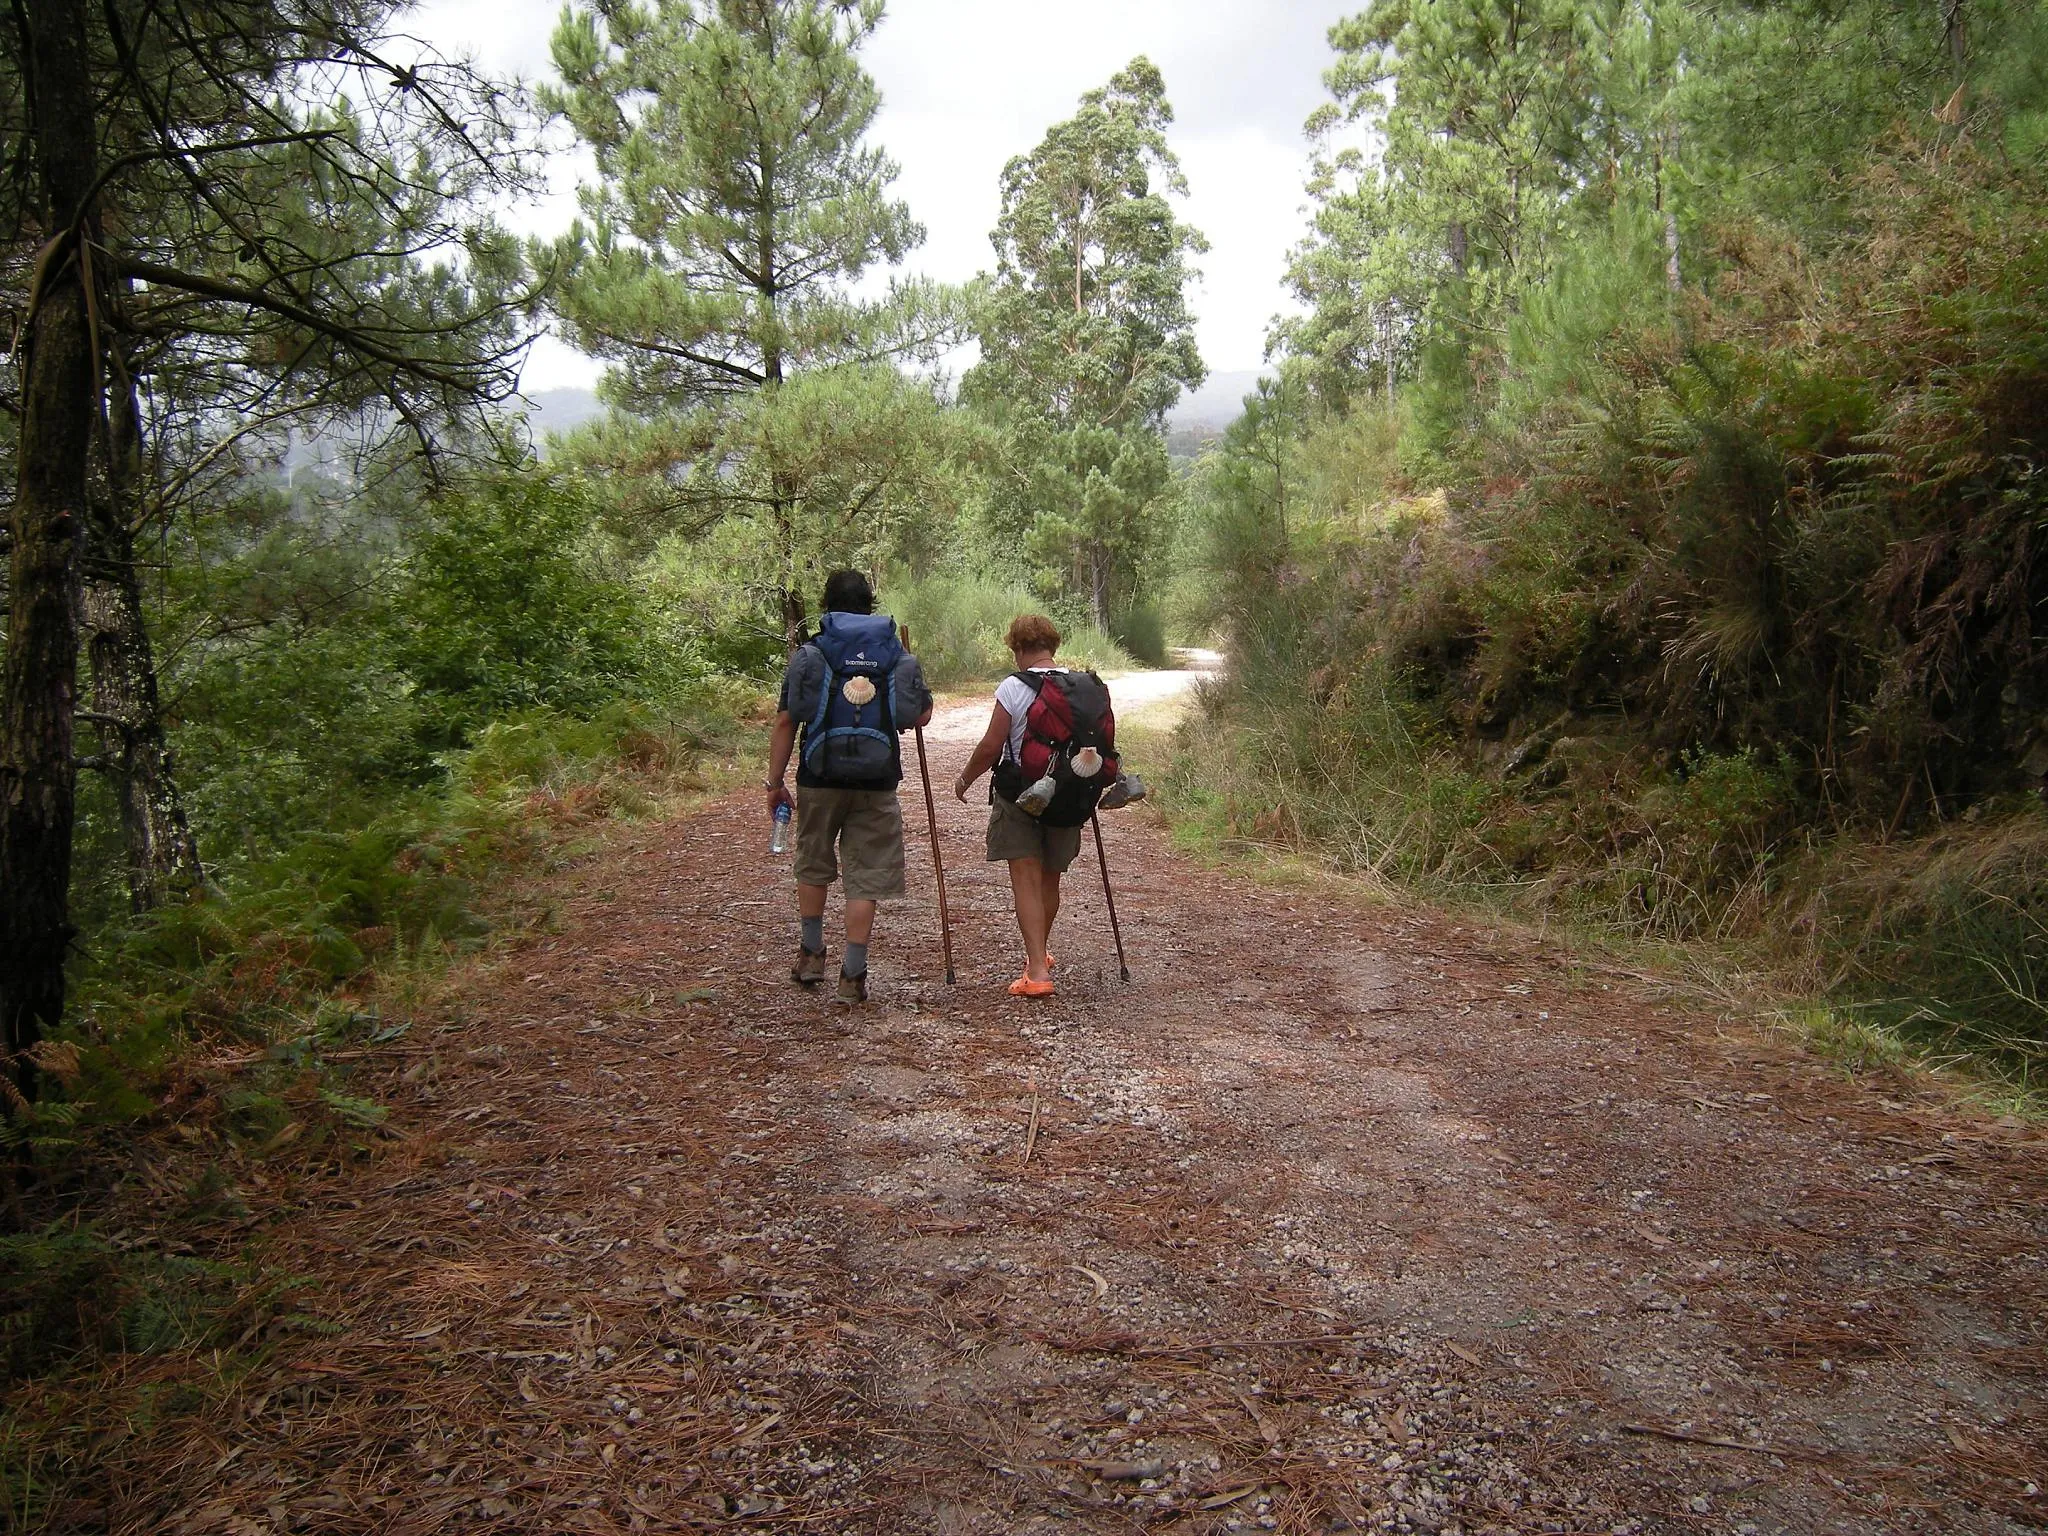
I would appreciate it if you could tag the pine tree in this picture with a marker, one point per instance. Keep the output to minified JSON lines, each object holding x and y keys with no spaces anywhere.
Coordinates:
{"x":1479,"y":111}
{"x":738,"y":203}
{"x":179,"y":216}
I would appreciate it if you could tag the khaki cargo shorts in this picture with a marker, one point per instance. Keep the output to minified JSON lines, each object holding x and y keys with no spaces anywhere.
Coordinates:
{"x":866,"y":825}
{"x":1015,"y":834}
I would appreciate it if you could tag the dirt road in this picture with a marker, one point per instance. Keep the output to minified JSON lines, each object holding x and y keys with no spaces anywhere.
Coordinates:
{"x":1338,"y":1217}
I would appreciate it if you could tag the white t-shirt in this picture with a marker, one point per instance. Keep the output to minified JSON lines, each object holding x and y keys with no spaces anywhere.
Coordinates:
{"x":1016,"y":695}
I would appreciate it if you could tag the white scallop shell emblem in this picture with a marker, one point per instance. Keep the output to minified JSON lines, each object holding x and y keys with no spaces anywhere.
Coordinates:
{"x":859,"y":691}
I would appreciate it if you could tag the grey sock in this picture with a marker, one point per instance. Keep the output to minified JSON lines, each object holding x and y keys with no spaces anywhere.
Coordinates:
{"x":814,"y":935}
{"x":856,"y":961}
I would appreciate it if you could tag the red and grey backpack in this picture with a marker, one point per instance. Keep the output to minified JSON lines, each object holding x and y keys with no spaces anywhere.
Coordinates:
{"x":1069,"y":711}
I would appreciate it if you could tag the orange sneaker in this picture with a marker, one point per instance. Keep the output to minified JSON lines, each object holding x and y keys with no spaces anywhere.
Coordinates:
{"x":1024,"y":986}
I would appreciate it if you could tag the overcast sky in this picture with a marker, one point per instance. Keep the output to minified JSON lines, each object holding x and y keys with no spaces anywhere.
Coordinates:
{"x":966,"y":84}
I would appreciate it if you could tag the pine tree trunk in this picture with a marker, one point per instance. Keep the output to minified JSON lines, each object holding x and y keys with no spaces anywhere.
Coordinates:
{"x":1098,"y":588}
{"x":163,"y":857}
{"x":38,"y":694}
{"x":793,"y":616}
{"x":1674,"y":276}
{"x":783,"y":511}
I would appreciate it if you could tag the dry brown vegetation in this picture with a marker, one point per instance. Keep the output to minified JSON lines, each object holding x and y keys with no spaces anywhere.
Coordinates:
{"x":1338,"y":1217}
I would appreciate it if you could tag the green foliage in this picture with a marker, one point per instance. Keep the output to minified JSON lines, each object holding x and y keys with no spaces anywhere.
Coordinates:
{"x":334,"y":669}
{"x":499,"y":608}
{"x":1086,"y":340}
{"x":372,"y":725}
{"x":1483,"y":113}
{"x":1141,"y":630}
{"x":958,"y":624}
{"x":737,"y":206}
{"x":1086,"y":319}
{"x":1944,"y":940}
{"x":1694,"y":565}
{"x":717,"y":130}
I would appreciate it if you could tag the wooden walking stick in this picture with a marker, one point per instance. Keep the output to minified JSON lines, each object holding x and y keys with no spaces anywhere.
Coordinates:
{"x":1109,"y":896}
{"x":931,"y":816}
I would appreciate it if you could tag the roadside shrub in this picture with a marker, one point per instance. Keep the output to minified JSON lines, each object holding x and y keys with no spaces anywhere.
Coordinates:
{"x":1140,"y":630}
{"x":1943,"y":939}
{"x":502,"y":609}
{"x":1712,"y":613}
{"x":957,"y":624}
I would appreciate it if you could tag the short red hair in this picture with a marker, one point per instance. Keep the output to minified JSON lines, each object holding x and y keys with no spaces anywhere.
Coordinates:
{"x":1032,"y":632}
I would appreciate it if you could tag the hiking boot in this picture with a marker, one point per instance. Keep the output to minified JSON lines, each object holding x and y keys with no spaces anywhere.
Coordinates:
{"x":1126,"y":789}
{"x":852,"y":989}
{"x":809,"y":969}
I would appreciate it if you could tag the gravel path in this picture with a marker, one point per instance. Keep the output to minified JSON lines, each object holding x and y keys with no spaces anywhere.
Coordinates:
{"x":1338,"y":1217}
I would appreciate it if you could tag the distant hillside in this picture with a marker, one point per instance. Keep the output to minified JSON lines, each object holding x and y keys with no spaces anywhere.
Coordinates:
{"x":1204,"y":412}
{"x":559,"y":410}
{"x":1217,"y":403}
{"x":1186,"y":444}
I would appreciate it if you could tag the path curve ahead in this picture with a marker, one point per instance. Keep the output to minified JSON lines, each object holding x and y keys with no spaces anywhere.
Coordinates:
{"x":1338,"y":1217}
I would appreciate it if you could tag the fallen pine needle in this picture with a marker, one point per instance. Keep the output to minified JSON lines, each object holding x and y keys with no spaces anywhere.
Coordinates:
{"x":1101,"y":1285}
{"x":1199,"y":1345}
{"x":1660,"y":1432}
{"x":1031,"y":1133}
{"x":1221,"y":1500}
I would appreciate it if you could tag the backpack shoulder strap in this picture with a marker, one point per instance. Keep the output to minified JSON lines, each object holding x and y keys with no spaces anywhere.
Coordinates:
{"x":817,"y":722}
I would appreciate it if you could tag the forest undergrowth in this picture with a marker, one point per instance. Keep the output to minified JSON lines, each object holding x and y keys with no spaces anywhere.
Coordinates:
{"x":216,"y":1041}
{"x":1718,"y":626}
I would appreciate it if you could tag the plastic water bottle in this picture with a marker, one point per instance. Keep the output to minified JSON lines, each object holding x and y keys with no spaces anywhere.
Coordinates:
{"x":778,"y":840}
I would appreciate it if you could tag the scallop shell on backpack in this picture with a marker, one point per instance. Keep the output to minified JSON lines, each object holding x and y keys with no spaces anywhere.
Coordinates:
{"x":859,"y":691}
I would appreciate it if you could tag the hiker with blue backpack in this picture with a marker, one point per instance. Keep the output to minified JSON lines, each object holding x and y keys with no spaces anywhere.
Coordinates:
{"x":847,"y":693}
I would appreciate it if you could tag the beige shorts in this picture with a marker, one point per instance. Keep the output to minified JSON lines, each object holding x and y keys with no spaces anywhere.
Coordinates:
{"x":861,"y":829}
{"x":1012,"y":834}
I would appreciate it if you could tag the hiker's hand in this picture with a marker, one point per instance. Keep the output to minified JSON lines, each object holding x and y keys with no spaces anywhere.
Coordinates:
{"x":960,"y":788}
{"x":779,"y":795}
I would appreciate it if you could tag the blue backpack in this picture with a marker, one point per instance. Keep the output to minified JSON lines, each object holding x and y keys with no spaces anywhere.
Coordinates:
{"x":851,"y":738}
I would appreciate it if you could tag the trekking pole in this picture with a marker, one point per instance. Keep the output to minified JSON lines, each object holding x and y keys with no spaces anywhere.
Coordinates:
{"x":1109,"y":896}
{"x":931,"y":816}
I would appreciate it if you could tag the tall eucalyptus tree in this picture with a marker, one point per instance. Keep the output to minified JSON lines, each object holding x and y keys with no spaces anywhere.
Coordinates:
{"x":1086,"y":336}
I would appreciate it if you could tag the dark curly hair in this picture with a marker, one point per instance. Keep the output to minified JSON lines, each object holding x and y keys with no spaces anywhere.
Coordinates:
{"x":848,"y":592}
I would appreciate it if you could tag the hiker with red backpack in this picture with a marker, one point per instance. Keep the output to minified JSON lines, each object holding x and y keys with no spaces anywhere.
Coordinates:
{"x":1051,"y":740}
{"x":850,"y":690}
